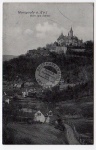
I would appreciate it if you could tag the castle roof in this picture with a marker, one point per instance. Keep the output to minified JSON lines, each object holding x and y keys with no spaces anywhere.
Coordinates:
{"x":62,"y":37}
{"x":75,"y":38}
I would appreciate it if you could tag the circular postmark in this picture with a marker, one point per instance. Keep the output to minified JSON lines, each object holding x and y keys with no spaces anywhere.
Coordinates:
{"x":48,"y":74}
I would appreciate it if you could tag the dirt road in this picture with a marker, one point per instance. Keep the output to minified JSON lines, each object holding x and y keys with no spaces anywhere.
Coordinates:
{"x":70,"y":136}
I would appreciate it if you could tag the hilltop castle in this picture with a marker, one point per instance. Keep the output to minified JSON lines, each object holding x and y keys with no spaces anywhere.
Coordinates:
{"x":69,"y":40}
{"x":61,"y":46}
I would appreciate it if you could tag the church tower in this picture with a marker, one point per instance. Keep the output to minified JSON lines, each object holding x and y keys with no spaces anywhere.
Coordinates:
{"x":71,"y":32}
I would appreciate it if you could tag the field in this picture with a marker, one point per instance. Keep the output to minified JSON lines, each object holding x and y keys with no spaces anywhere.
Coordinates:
{"x":33,"y":134}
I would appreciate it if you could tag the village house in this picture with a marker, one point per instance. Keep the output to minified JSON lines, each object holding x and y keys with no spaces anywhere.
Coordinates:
{"x":28,"y":84}
{"x":7,"y":101}
{"x":17,"y":85}
{"x":32,"y":90}
{"x":50,"y":113}
{"x":39,"y":117}
{"x":25,"y":93}
{"x":47,"y":119}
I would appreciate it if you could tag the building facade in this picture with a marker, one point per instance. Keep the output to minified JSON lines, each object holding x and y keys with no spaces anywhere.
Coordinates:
{"x":69,"y":40}
{"x":39,"y":117}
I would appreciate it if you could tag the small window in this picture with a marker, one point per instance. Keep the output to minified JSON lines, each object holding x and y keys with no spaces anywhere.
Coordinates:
{"x":39,"y":114}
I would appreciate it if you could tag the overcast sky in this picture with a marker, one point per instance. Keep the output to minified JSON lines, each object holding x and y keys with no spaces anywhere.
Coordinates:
{"x":22,"y":32}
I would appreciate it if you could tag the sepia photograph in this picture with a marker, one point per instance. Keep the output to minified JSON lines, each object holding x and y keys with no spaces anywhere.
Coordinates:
{"x":48,"y":73}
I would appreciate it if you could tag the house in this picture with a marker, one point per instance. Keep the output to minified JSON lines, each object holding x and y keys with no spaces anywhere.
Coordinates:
{"x":7,"y":101}
{"x":50,"y":113}
{"x":27,"y":84}
{"x":39,"y":117}
{"x":17,"y":85}
{"x":25,"y":93}
{"x":33,"y":90}
{"x":47,"y":119}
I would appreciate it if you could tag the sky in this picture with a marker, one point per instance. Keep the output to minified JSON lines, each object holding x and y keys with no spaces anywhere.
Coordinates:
{"x":24,"y":30}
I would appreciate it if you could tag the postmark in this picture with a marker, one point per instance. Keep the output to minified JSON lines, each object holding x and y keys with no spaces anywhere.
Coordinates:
{"x":48,"y":74}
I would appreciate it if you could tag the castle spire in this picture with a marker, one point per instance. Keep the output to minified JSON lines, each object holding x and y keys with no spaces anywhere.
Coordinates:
{"x":71,"y":29}
{"x":71,"y":32}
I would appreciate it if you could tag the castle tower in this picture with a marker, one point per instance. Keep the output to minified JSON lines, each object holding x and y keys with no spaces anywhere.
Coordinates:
{"x":71,"y":32}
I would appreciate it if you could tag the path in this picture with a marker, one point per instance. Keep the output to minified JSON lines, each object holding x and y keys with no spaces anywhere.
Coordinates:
{"x":70,"y":136}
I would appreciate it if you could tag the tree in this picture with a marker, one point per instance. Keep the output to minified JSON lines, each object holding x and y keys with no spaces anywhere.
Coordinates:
{"x":89,"y":44}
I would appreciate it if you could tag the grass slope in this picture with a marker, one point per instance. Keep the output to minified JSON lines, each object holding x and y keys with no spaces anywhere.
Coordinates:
{"x":35,"y":134}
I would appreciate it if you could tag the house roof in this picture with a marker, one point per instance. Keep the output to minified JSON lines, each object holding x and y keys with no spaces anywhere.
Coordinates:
{"x":74,"y":37}
{"x":36,"y":113}
{"x":61,"y":36}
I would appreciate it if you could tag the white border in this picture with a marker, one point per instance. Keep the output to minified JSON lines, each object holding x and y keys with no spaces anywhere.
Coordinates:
{"x":43,"y":147}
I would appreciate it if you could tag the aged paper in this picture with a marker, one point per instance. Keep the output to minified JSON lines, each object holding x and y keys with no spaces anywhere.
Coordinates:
{"x":48,"y":51}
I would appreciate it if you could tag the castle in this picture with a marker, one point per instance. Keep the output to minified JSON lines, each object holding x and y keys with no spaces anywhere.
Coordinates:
{"x":69,"y":40}
{"x":61,"y":46}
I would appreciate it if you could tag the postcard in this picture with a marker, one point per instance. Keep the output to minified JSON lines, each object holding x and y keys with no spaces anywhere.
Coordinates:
{"x":48,"y":73}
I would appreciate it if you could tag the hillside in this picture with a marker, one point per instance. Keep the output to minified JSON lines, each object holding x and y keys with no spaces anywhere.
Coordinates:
{"x":8,"y":57}
{"x":74,"y":104}
{"x":73,"y":69}
{"x":34,"y":134}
